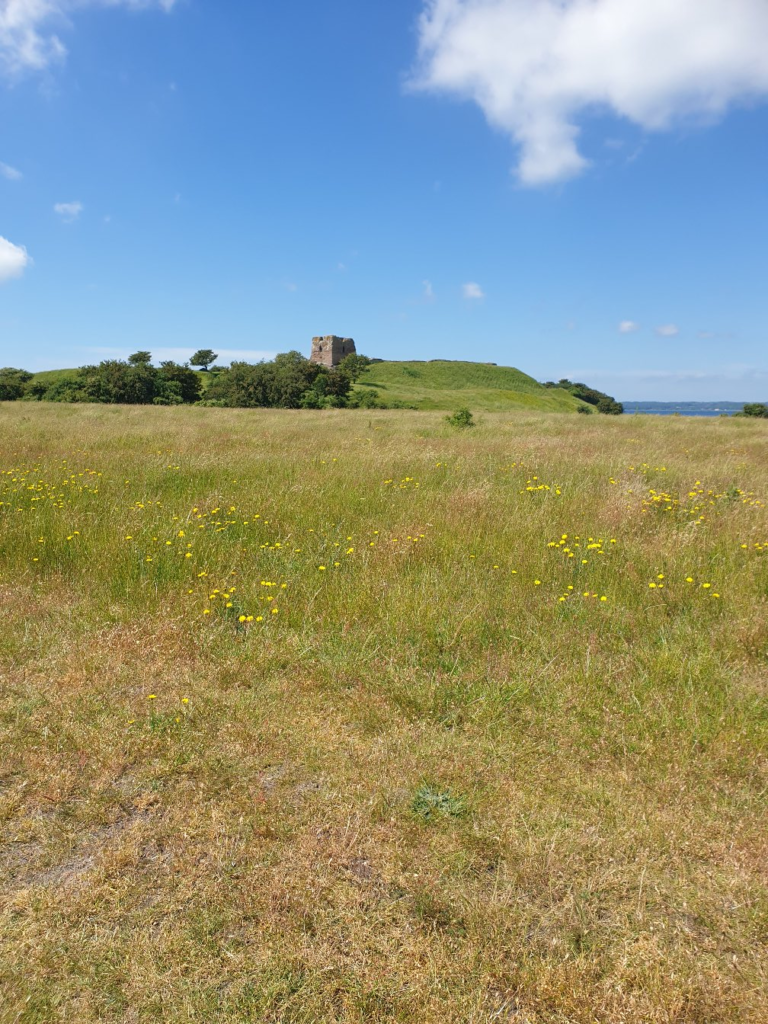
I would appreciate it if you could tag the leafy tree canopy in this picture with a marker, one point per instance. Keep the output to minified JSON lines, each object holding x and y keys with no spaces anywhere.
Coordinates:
{"x":757,"y":409}
{"x":203,"y":358}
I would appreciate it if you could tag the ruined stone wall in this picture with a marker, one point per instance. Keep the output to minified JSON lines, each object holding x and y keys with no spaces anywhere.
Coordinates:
{"x":330,"y":350}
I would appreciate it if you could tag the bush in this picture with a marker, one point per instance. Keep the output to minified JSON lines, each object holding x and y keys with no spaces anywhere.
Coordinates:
{"x":602,"y":402}
{"x":364,"y":399}
{"x":755,"y":409}
{"x":461,"y":418}
{"x":12,"y":382}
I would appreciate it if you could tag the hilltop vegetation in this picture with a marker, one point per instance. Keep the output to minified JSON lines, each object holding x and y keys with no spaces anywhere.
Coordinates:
{"x":447,"y":384}
{"x":606,"y":404}
{"x":291,"y":381}
{"x":356,"y":718}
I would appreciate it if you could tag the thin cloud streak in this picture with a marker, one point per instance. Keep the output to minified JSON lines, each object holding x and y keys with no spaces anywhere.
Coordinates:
{"x":10,"y":172}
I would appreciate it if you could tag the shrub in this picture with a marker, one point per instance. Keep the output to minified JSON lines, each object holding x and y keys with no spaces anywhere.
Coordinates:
{"x":12,"y":383}
{"x":757,"y":409}
{"x":602,"y":402}
{"x":461,"y":418}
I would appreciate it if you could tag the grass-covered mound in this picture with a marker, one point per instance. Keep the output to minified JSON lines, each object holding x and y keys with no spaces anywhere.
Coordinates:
{"x":446,"y":384}
{"x":356,"y":718}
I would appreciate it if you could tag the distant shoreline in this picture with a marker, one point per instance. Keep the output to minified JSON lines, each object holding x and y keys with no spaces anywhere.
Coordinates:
{"x":683,"y":408}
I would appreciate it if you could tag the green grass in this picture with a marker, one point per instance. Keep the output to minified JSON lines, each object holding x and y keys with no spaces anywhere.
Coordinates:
{"x":444,"y":384}
{"x":500,"y":754}
{"x":54,"y":376}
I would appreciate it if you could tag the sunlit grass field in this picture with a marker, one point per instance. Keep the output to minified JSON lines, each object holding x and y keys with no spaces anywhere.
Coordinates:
{"x":350,"y":716}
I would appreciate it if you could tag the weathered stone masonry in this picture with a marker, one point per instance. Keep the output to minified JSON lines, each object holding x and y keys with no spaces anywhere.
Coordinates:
{"x":330,"y":350}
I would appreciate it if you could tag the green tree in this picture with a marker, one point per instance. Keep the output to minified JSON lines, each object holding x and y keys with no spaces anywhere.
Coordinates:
{"x":12,"y":382}
{"x":116,"y":382}
{"x":243,"y":385}
{"x":758,"y":409}
{"x":354,"y":365}
{"x":203,"y":358}
{"x":189,"y":384}
{"x":140,"y":359}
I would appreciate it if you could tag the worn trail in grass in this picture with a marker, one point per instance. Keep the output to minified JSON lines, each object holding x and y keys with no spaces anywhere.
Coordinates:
{"x":349,"y":717}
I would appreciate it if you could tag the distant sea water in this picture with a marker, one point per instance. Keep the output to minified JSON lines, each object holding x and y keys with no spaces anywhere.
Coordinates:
{"x":684,"y":408}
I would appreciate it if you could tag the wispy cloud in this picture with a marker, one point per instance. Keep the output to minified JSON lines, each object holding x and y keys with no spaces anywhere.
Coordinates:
{"x":716,"y":335}
{"x":428,"y":292}
{"x":628,"y":327}
{"x":668,"y":331}
{"x":14,"y":259}
{"x":28,"y":39}
{"x":69,"y":212}
{"x":535,"y":66}
{"x":10,"y":172}
{"x":727,"y":383}
{"x":472,"y":290}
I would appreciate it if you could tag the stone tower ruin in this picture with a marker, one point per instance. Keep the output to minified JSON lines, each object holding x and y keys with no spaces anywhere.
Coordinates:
{"x":330,"y":350}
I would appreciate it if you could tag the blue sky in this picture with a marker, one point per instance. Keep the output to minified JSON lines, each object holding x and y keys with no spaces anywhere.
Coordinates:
{"x":245,"y":175}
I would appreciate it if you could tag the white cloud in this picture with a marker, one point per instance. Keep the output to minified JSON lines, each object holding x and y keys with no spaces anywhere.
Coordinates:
{"x":28,"y":41}
{"x":533,"y":66}
{"x":69,"y":212}
{"x":472,"y":290}
{"x":14,"y":259}
{"x":429,"y":292}
{"x":628,"y":327}
{"x":10,"y":172}
{"x":668,"y":331}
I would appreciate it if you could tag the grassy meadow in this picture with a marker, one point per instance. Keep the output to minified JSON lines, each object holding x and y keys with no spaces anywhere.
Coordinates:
{"x":352,"y":717}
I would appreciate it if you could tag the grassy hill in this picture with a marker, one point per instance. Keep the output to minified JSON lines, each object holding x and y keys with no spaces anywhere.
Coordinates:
{"x":52,"y":376}
{"x":445,"y":384}
{"x":439,"y":384}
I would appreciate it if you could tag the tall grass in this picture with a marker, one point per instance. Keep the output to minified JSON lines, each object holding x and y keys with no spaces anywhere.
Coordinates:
{"x":347,"y":716}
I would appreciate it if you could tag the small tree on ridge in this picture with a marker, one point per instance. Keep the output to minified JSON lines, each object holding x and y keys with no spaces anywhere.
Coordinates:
{"x":203,"y":358}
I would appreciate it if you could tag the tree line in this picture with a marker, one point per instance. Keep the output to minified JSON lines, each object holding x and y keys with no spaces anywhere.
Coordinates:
{"x":603,"y":403}
{"x":290,"y":381}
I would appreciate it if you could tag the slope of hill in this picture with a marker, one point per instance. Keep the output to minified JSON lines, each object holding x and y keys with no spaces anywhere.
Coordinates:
{"x":445,"y":384}
{"x":53,"y":376}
